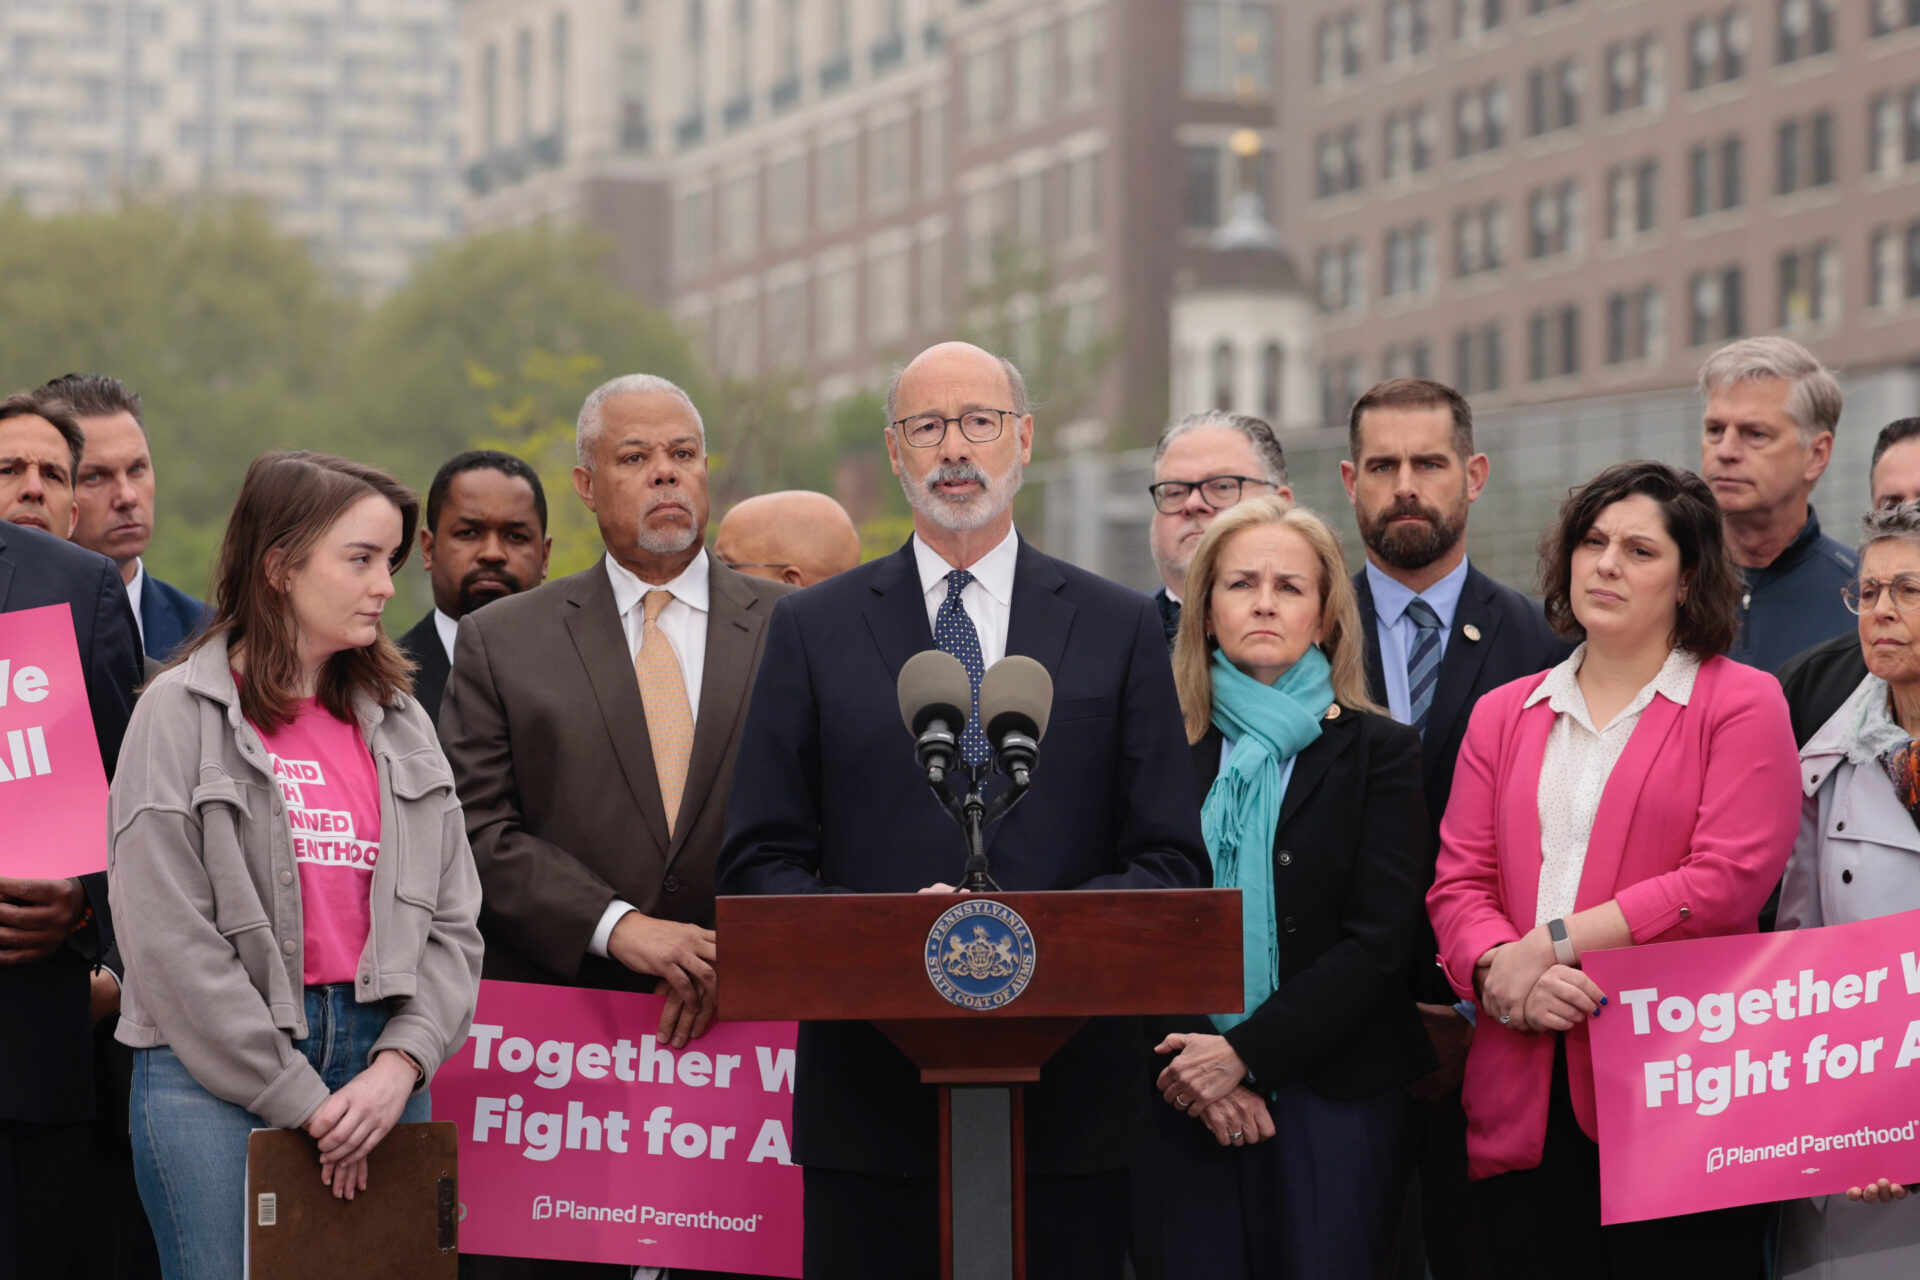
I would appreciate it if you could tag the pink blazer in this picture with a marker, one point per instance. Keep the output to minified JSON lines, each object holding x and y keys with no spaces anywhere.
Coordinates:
{"x":1693,"y":830}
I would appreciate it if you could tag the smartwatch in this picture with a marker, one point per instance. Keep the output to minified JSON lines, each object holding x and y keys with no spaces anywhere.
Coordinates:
{"x":1562,"y":944}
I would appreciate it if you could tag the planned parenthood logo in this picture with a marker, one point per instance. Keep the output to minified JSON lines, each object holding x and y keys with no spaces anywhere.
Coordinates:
{"x":980,"y":955}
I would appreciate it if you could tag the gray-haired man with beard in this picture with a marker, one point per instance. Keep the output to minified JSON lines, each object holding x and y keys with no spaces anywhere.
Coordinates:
{"x":592,"y":725}
{"x":1439,"y":634}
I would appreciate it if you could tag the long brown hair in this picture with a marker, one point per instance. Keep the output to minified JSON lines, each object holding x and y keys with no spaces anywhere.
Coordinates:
{"x":287,"y":503}
{"x":1341,"y":637}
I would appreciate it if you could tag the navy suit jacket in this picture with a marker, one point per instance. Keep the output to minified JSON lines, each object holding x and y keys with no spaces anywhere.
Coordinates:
{"x":1514,"y":640}
{"x":430,"y":665}
{"x":169,"y":617}
{"x":828,"y":799}
{"x":46,"y":1050}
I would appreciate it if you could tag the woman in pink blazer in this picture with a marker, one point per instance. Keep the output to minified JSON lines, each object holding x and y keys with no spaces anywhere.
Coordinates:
{"x":1645,"y":790}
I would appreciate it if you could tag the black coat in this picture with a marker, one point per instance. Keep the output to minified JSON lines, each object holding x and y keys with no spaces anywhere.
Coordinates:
{"x":1819,"y":680}
{"x":827,"y":798}
{"x":1352,"y":858}
{"x":46,"y":1050}
{"x":1513,"y":640}
{"x":431,"y":668}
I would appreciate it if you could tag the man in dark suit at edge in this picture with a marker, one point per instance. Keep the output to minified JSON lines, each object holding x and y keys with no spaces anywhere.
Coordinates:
{"x":1439,"y":634}
{"x":837,"y":804}
{"x":485,"y":537}
{"x":592,"y":725}
{"x":48,"y":1002}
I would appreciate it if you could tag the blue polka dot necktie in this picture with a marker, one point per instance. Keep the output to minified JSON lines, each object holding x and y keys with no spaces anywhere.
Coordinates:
{"x":953,"y":633}
{"x":1423,"y":663}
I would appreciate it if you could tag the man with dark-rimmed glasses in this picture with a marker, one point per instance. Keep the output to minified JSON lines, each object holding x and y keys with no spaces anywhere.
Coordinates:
{"x":1203,"y":464}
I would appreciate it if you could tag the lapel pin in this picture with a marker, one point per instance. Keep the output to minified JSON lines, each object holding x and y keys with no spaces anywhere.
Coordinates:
{"x":1471,"y":632}
{"x":1333,"y":712}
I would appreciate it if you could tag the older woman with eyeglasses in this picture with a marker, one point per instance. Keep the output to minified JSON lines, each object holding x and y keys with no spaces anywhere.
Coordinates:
{"x":1858,"y":857}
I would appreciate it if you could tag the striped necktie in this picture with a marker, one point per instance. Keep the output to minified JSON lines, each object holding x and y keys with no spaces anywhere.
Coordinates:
{"x":1423,"y":662}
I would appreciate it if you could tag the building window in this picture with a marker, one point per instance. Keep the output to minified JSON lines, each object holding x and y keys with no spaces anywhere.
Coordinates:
{"x":933,"y":149}
{"x":1339,"y":48}
{"x":1340,"y":274}
{"x":1270,"y":362}
{"x":889,"y":169}
{"x":1083,"y":198}
{"x":1479,"y":360}
{"x":1806,"y":28}
{"x":1716,"y":49}
{"x":1480,"y":239}
{"x":1633,"y":324}
{"x":887,"y":297}
{"x":1086,"y":56}
{"x":930,"y":294}
{"x":1339,"y":387}
{"x":737,"y":223}
{"x":1809,"y":286}
{"x":1633,"y":75}
{"x":1409,"y":30}
{"x":1201,"y":167}
{"x":562,"y":41}
{"x":1406,"y":143}
{"x":1553,"y":97}
{"x":1889,"y":16}
{"x":787,"y":199}
{"x":1553,"y":343}
{"x":1475,"y":17}
{"x":1409,"y":261}
{"x":1804,"y":153}
{"x":835,"y":324}
{"x":489,"y":97}
{"x":1030,"y":208}
{"x":1337,"y":168}
{"x":835,"y":190}
{"x":982,"y":90}
{"x":1632,"y":199}
{"x":1407,"y":360}
{"x":1553,"y":220}
{"x":523,"y":86}
{"x":1228,"y":48}
{"x":1893,"y":131}
{"x":786,"y":326}
{"x":1715,"y":306}
{"x":1547,"y":6}
{"x":693,"y":230}
{"x":1033,"y":74}
{"x":1479,"y":119}
{"x":1714,"y":177}
{"x":694,"y":65}
{"x":1220,"y":368}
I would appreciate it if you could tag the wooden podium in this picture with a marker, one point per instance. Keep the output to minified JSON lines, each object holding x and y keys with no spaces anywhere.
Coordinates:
{"x":1090,"y":955}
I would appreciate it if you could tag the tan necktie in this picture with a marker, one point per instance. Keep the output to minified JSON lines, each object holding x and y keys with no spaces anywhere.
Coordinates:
{"x":664,"y":694}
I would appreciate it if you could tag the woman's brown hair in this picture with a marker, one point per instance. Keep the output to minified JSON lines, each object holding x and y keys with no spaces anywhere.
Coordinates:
{"x":1340,"y":633}
{"x":286,"y":505}
{"x":1708,"y":617}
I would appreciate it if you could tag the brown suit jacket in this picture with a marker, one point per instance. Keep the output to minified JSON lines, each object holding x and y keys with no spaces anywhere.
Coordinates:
{"x":543,"y":724}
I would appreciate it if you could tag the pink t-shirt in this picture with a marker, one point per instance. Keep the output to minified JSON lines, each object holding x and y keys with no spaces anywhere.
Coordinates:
{"x":332,"y":790}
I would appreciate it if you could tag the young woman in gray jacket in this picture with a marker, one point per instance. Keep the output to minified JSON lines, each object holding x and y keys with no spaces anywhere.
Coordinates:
{"x":288,"y":866}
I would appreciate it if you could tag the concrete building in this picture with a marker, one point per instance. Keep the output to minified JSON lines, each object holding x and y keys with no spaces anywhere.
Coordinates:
{"x":825,"y":185}
{"x":340,"y":115}
{"x":1553,"y":200}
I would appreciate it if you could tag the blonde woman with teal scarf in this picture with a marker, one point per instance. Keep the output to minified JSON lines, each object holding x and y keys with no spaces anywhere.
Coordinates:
{"x":1273,"y":1133}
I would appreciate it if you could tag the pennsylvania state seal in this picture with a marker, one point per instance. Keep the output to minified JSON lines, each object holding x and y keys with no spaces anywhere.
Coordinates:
{"x":980,"y":954}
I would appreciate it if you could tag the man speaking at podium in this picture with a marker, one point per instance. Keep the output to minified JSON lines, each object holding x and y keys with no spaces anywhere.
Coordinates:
{"x":831,"y":800}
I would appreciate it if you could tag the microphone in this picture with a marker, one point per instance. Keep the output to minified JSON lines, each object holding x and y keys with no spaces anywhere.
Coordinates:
{"x":935,"y":698}
{"x":1016,"y":698}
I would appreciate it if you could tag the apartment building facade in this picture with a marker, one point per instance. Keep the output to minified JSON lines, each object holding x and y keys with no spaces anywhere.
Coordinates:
{"x":827,"y":185}
{"x":340,"y":115}
{"x":1552,"y":200}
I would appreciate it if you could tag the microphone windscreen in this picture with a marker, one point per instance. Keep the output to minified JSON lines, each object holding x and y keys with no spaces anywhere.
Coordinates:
{"x":934,"y":686}
{"x":1016,"y":687}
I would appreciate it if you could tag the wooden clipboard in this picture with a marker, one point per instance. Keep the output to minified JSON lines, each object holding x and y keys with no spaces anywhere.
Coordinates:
{"x":404,"y":1226}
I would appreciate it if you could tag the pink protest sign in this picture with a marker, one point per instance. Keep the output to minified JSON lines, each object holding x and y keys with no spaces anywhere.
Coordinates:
{"x":583,"y":1138}
{"x":52,"y":787}
{"x":1737,"y":1070}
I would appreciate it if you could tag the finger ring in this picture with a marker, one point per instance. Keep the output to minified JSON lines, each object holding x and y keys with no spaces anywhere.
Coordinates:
{"x":1183,"y":1102}
{"x":1237,"y":1134}
{"x":1506,"y":1019}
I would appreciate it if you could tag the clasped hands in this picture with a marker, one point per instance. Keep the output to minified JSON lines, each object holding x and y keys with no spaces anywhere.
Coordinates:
{"x":682,"y":956}
{"x":37,"y":916}
{"x":1207,"y":1080}
{"x":1521,"y":986}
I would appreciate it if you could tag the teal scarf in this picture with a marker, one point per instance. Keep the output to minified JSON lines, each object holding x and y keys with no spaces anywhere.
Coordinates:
{"x":1267,"y":725}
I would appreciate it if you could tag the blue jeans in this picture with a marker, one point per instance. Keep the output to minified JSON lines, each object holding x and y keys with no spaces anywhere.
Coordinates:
{"x":190,"y":1148}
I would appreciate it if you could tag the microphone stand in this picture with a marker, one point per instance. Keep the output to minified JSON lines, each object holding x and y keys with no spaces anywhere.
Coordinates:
{"x":973,"y":814}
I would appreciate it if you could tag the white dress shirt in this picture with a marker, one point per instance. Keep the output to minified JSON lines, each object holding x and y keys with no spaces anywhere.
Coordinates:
{"x":988,"y":599}
{"x":684,"y":623}
{"x":1578,"y":761}
{"x":449,"y":630}
{"x":134,"y":591}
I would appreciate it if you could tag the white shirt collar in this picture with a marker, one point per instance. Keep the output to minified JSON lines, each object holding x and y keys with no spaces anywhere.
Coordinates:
{"x":993,"y":571}
{"x":449,"y":629}
{"x":690,"y":588}
{"x":135,"y":590}
{"x":1561,"y":688}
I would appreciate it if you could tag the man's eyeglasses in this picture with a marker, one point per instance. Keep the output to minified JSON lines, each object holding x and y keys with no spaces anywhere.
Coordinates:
{"x":1864,"y":596}
{"x":925,"y":430}
{"x":1218,"y":492}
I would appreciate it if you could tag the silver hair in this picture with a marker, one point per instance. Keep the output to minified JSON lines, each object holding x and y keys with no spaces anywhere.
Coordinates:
{"x":1022,"y":405}
{"x":1886,"y":524}
{"x":1813,"y":396}
{"x":587,"y":428}
{"x":1266,"y":446}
